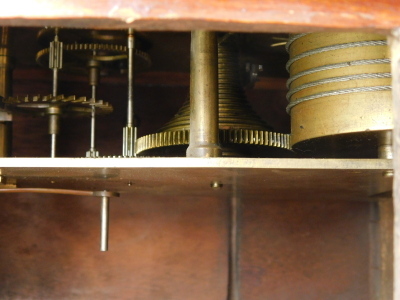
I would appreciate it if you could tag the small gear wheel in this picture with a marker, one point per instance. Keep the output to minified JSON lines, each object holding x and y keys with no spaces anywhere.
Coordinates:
{"x":111,"y":56}
{"x":70,"y":105}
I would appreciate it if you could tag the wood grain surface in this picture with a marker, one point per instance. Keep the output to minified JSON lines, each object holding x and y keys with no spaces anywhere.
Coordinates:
{"x":234,"y":15}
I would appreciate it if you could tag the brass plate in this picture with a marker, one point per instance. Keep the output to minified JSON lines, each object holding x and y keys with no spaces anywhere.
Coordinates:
{"x":301,"y":179}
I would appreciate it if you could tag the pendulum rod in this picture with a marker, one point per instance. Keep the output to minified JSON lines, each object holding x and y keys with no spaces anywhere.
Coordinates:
{"x":129,"y":131}
{"x":55,"y":63}
{"x":203,"y":140}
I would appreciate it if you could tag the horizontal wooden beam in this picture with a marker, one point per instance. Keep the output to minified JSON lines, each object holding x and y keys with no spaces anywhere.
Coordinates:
{"x":233,"y":15}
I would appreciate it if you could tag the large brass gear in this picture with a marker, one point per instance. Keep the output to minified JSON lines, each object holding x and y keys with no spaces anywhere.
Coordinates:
{"x":71,"y":105}
{"x":176,"y":142}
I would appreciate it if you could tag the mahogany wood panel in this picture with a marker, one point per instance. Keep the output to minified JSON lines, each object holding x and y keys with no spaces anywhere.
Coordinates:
{"x":304,"y":250}
{"x":233,"y":15}
{"x":176,"y":249}
{"x":165,"y":248}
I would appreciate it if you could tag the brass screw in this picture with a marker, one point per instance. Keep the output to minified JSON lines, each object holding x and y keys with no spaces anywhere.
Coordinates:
{"x":216,"y":185}
{"x":388,"y":173}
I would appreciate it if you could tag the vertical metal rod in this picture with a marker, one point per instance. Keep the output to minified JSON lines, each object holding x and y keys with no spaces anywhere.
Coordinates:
{"x":55,"y":82}
{"x":93,"y":129}
{"x":93,"y":92}
{"x":395,"y":58}
{"x":55,"y":63}
{"x":53,"y":145}
{"x":105,"y":203}
{"x":93,"y":122}
{"x":129,"y":131}
{"x":131,"y":45}
{"x":203,"y":141}
{"x":94,"y":75}
{"x":54,"y":119}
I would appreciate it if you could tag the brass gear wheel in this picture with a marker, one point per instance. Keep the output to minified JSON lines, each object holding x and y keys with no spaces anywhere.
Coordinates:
{"x":176,"y":142}
{"x":71,"y":105}
{"x":77,"y":54}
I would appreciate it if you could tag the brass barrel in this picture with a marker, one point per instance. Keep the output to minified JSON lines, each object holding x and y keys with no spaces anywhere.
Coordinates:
{"x":340,"y":84}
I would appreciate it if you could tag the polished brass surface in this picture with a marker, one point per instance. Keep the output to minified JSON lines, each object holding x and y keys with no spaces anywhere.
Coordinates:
{"x":203,"y":136}
{"x":241,"y":131}
{"x":340,"y":92}
{"x":351,"y":179}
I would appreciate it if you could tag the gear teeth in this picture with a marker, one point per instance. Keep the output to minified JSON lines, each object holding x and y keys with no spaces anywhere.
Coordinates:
{"x":101,"y":106}
{"x":226,"y":136}
{"x":71,"y":103}
{"x":119,"y":51}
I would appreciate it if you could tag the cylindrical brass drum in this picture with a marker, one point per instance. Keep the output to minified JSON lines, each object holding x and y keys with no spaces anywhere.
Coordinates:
{"x":339,"y":93}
